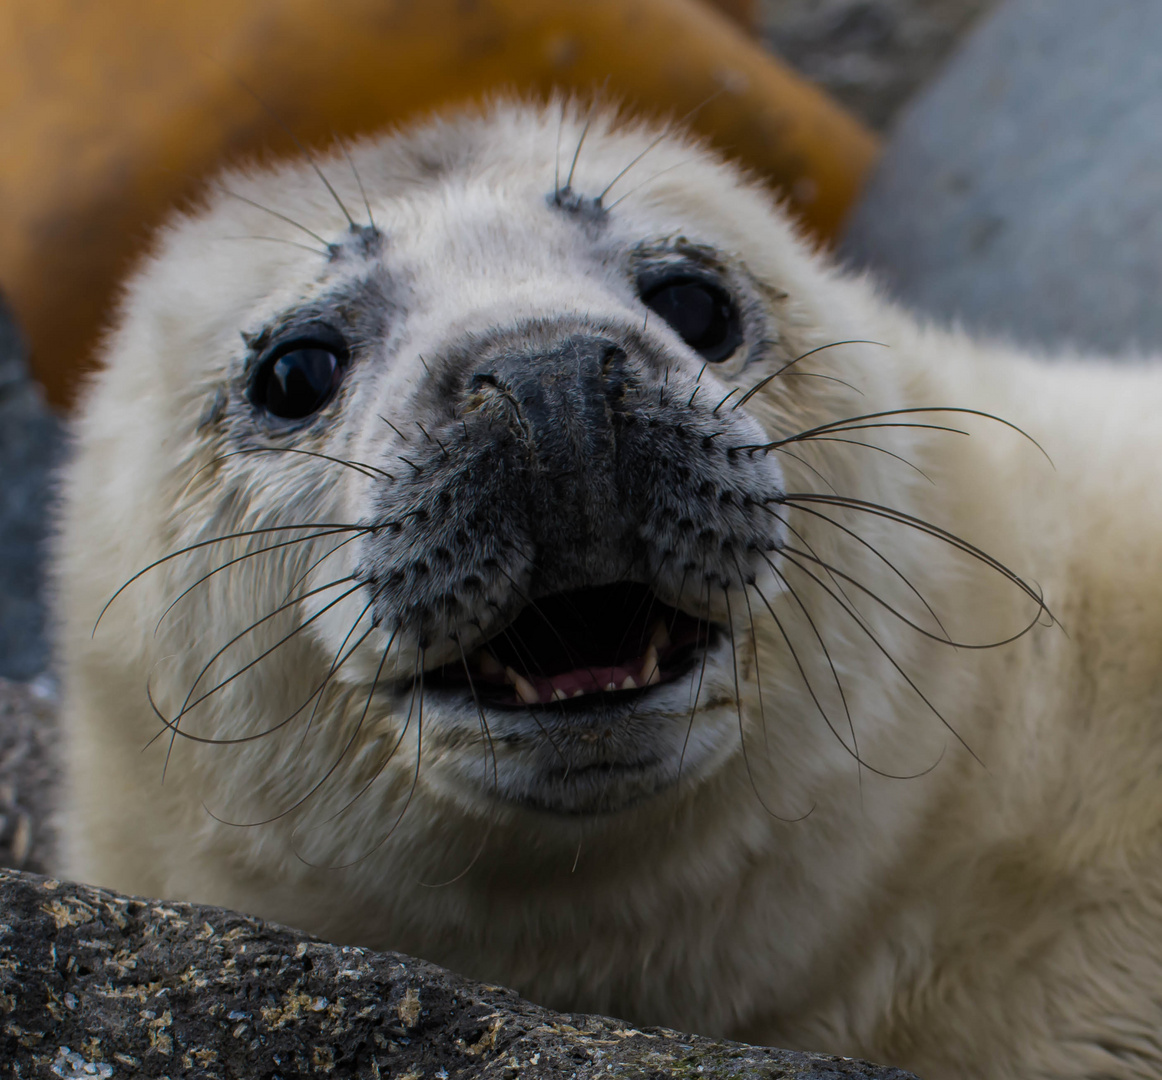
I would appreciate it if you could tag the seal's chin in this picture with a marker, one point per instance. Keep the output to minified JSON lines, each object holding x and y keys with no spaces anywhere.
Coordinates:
{"x":586,"y":697}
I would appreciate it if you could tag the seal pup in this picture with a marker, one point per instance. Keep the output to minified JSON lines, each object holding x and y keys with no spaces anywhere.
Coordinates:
{"x":510,"y":543}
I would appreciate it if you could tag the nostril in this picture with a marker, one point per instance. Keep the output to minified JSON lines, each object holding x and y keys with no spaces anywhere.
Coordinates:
{"x":612,"y":354}
{"x":481,"y":379}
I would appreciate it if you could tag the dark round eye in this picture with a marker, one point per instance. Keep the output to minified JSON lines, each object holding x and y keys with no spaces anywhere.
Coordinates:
{"x":703,"y":315}
{"x":297,"y":379}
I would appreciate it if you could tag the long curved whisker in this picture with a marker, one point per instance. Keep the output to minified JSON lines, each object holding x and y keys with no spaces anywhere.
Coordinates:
{"x":188,"y":705}
{"x":741,"y":729}
{"x":791,"y":363}
{"x":832,"y":425}
{"x":280,"y":240}
{"x":890,"y":514}
{"x":943,"y":640}
{"x":221,"y":540}
{"x":865,"y":543}
{"x":234,"y":562}
{"x":887,"y":655}
{"x":872,"y":446}
{"x":334,"y":765}
{"x":369,"y":471}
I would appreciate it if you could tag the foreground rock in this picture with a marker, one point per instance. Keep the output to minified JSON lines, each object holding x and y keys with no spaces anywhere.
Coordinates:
{"x":96,"y":984}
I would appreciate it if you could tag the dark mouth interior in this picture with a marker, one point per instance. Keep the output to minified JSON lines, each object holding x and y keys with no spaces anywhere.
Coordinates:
{"x":612,"y":639}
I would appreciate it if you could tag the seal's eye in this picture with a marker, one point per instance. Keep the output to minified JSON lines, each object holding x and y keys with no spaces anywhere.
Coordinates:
{"x":703,"y":315}
{"x":298,"y":378}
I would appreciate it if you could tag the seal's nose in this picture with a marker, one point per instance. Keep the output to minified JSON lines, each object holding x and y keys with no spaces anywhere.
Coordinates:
{"x":561,"y":397}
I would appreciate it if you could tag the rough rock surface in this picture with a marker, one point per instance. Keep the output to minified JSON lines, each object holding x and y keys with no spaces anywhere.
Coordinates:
{"x":93,"y":984}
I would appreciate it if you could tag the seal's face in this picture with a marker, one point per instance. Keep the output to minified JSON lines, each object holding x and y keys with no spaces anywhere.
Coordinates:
{"x":556,"y":496}
{"x":473,"y":487}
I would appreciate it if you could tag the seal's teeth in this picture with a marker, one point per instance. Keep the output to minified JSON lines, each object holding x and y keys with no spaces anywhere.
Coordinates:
{"x":488,"y":663}
{"x":578,"y":692}
{"x":610,"y":686}
{"x":560,"y":695}
{"x":524,"y":689}
{"x":650,"y":673}
{"x":659,"y":636}
{"x":629,"y":684}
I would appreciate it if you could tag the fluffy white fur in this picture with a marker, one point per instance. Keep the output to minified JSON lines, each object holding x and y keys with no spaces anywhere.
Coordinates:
{"x":994,"y":912}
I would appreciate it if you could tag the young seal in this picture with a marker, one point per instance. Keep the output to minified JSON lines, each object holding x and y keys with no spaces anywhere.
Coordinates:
{"x":514,"y":546}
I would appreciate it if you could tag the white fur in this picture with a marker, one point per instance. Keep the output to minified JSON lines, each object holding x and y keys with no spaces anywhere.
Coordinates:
{"x":997,"y":914}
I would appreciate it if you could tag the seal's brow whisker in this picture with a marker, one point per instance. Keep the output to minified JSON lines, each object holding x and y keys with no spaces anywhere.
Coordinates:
{"x":276,"y":214}
{"x":358,"y":182}
{"x":280,"y":240}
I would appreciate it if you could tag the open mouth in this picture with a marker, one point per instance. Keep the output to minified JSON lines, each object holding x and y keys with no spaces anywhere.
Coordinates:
{"x":612,"y":639}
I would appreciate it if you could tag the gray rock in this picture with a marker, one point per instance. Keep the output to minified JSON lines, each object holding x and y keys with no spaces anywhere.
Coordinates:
{"x":93,"y":984}
{"x":1022,"y":193}
{"x":31,"y":444}
{"x":872,"y":55}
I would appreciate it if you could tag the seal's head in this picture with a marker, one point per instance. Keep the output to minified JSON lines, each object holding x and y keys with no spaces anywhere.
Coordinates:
{"x":451,"y":493}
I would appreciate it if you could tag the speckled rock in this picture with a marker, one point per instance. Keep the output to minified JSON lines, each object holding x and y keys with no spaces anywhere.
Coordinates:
{"x":93,"y":984}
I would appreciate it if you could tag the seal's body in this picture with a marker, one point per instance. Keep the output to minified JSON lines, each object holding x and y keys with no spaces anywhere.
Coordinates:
{"x":556,"y":570}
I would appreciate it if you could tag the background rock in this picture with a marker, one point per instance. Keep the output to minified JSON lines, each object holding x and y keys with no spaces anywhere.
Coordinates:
{"x":31,"y":440}
{"x":94,"y":984}
{"x":1022,"y":193}
{"x":872,"y":55}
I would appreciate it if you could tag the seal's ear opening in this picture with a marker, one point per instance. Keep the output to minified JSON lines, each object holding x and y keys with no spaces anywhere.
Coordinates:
{"x":609,"y":639}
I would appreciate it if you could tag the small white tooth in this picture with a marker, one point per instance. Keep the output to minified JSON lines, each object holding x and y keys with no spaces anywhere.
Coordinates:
{"x":649,"y":673}
{"x":611,"y":686}
{"x":660,"y":636}
{"x":629,"y":683}
{"x":524,"y":689}
{"x":560,"y":695}
{"x":578,"y":692}
{"x":488,"y":663}
{"x":654,"y":679}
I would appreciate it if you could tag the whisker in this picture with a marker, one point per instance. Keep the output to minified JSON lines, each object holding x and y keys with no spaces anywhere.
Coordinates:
{"x":790,"y":363}
{"x":280,"y":240}
{"x":358,"y":184}
{"x":870,"y":547}
{"x":370,"y":471}
{"x":334,"y":765}
{"x":221,"y":540}
{"x":926,"y":527}
{"x":331,"y":248}
{"x":237,"y":559}
{"x":887,"y":655}
{"x":738,"y":708}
